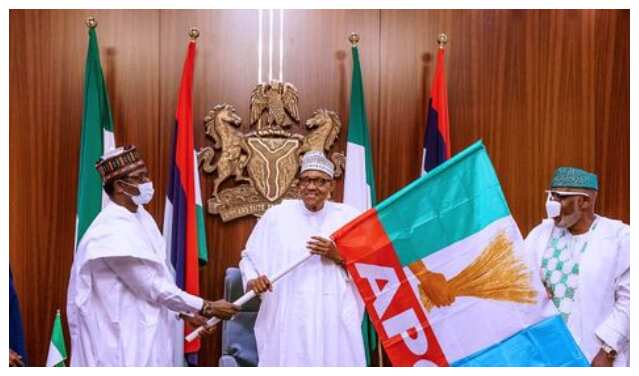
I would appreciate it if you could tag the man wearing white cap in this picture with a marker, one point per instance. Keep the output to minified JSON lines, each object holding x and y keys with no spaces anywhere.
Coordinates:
{"x":313,"y":316}
{"x":122,"y":302}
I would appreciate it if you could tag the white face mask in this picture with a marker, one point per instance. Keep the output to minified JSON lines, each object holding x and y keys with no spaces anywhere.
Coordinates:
{"x":146,"y":193}
{"x":553,"y":208}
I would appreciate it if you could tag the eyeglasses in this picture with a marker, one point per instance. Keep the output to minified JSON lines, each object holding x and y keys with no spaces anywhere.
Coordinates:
{"x":318,"y":182}
{"x":559,"y":195}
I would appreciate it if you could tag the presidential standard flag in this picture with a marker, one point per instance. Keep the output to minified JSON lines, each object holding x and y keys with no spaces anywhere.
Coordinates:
{"x":359,"y":180}
{"x":442,"y":269}
{"x":97,"y":137}
{"x":57,"y":350}
{"x":183,"y":228}
{"x":437,"y":136}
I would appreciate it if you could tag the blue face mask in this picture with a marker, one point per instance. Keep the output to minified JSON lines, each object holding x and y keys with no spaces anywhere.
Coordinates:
{"x":146,"y":193}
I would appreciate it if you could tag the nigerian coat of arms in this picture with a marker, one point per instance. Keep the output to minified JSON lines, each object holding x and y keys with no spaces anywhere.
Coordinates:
{"x":264,"y":161}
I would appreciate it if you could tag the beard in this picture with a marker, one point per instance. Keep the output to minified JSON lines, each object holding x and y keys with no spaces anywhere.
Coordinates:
{"x":569,"y":220}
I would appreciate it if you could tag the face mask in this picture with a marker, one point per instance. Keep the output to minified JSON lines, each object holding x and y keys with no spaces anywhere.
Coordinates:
{"x":553,"y":208}
{"x":146,"y":193}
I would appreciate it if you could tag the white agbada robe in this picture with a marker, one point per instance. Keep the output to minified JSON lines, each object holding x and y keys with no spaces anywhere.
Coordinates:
{"x":313,"y":316}
{"x":601,"y":311}
{"x":122,"y":298}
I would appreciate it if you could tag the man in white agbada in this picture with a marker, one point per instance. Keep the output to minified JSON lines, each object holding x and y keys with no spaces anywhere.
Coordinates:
{"x":313,"y":315}
{"x":122,"y":301}
{"x":585,"y":266}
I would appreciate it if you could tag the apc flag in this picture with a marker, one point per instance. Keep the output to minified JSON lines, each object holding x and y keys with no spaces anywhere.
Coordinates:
{"x":437,"y":135}
{"x":359,"y":179}
{"x":183,"y":228}
{"x":97,"y":138}
{"x":442,"y":270}
{"x":57,"y":349}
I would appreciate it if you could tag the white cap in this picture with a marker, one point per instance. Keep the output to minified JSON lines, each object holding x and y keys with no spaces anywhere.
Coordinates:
{"x":315,"y":160}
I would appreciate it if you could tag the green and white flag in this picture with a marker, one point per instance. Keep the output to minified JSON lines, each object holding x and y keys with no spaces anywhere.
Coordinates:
{"x":57,"y":350}
{"x":97,"y":137}
{"x":359,"y":179}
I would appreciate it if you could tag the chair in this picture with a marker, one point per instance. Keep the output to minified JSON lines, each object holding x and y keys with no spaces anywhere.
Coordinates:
{"x":238,"y":339}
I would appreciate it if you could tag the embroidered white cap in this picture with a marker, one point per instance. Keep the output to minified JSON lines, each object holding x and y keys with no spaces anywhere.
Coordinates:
{"x":315,"y":160}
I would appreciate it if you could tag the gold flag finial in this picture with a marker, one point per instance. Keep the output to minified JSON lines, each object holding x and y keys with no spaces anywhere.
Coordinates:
{"x":442,"y":39}
{"x":354,"y":39}
{"x":91,"y":22}
{"x":194,"y":33}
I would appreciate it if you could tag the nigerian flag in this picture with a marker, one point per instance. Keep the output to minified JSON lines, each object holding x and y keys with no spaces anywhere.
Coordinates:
{"x":359,"y":180}
{"x":57,"y":350}
{"x":97,"y":137}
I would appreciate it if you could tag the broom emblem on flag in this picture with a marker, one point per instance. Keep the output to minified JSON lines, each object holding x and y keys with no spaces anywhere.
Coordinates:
{"x":496,"y":274}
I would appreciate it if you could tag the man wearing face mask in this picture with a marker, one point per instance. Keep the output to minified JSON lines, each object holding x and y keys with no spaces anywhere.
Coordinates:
{"x":584,"y":263}
{"x":313,"y":316}
{"x":123,"y":305}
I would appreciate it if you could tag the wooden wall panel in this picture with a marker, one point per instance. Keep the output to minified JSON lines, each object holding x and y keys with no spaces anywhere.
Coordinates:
{"x":48,"y":52}
{"x":528,"y":83}
{"x":541,"y":88}
{"x":612,"y":115}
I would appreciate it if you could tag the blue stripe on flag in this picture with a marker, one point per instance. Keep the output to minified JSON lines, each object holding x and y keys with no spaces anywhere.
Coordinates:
{"x":170,"y":193}
{"x":433,"y":140}
{"x":177,"y":195}
{"x":546,"y":343}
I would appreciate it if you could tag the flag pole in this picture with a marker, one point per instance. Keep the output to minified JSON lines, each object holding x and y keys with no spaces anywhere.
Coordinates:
{"x":194,"y":33}
{"x":91,"y":22}
{"x":442,"y":39}
{"x":245,"y":298}
{"x":354,"y":39}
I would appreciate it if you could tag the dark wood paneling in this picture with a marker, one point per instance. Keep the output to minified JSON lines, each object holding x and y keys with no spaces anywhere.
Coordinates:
{"x":542,"y":88}
{"x":48,"y":52}
{"x":612,"y":115}
{"x":537,"y":86}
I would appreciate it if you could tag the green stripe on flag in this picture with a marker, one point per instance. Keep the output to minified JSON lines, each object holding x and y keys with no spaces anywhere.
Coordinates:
{"x":57,"y":349}
{"x":96,"y":118}
{"x":358,"y":123}
{"x":203,"y":254}
{"x":202,"y":250}
{"x":358,"y":135}
{"x":455,"y":200}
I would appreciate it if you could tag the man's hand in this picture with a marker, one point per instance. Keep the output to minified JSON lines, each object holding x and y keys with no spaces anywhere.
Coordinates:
{"x":602,"y":359}
{"x":198,"y":320}
{"x":324,"y":247}
{"x":259,"y":285}
{"x":219,"y":308}
{"x":436,"y":288}
{"x":434,"y":285}
{"x":15,"y":360}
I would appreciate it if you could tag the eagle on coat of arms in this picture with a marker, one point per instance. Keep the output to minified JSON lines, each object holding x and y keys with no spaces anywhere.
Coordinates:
{"x":274,"y":104}
{"x":264,"y":161}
